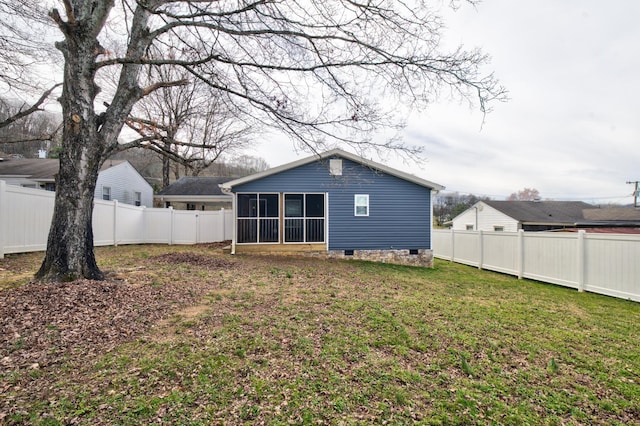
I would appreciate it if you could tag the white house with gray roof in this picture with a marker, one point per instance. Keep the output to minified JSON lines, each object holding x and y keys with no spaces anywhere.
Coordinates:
{"x":511,"y":216}
{"x":117,"y":179}
{"x":195,"y":193}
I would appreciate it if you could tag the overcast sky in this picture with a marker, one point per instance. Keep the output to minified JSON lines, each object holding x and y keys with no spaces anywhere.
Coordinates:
{"x":571,"y":128}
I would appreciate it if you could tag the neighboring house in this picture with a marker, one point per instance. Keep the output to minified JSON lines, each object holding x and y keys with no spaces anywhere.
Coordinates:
{"x":335,"y":204}
{"x":30,"y":172}
{"x":195,"y":193}
{"x":511,"y":216}
{"x":117,"y":180}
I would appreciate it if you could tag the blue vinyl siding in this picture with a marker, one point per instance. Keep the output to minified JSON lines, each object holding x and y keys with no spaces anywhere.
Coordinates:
{"x":399,"y":211}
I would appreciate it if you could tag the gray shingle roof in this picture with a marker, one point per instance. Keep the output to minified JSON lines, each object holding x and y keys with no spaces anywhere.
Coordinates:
{"x":39,"y":168}
{"x":613,"y":214}
{"x":195,"y":185}
{"x":542,"y":211}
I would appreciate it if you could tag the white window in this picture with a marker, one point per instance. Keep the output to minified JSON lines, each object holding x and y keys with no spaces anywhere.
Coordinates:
{"x":138,"y":200}
{"x":469,"y":227}
{"x":498,"y":228}
{"x":361,"y":205}
{"x":106,"y":193}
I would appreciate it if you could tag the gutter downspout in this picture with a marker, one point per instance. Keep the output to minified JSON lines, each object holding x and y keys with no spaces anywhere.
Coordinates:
{"x":227,"y":190}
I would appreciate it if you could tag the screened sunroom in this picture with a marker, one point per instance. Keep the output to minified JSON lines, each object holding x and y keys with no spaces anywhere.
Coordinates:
{"x":273,"y":218}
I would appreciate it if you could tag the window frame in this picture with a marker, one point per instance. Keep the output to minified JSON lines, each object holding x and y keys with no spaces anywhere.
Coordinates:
{"x":108,"y":193}
{"x":304,"y":218}
{"x":356,"y":205}
{"x":258,"y":218}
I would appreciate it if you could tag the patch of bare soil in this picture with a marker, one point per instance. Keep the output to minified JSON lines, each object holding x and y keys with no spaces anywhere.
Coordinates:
{"x":194,"y":259}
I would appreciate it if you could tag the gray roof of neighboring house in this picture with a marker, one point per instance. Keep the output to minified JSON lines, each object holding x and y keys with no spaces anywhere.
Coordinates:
{"x":542,"y":211}
{"x":40,"y":169}
{"x":33,"y":168}
{"x":195,"y":186}
{"x":613,"y":214}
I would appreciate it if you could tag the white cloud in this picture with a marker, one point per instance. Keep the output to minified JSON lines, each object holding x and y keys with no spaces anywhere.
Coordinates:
{"x":571,"y":128}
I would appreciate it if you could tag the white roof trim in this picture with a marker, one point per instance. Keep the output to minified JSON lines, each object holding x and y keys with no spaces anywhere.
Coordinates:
{"x":227,"y":186}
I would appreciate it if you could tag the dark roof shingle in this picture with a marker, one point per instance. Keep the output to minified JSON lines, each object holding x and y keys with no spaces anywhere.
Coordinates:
{"x":542,"y":211}
{"x":195,"y":185}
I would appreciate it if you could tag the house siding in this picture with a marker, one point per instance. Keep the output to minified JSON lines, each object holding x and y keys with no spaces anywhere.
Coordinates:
{"x":399,"y":211}
{"x":124,"y":182}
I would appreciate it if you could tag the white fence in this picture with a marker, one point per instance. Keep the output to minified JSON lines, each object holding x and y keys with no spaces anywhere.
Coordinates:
{"x":25,"y":218}
{"x":601,"y":263}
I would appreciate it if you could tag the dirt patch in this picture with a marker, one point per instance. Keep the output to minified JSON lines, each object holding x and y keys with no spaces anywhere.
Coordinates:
{"x":166,"y":329}
{"x":195,"y":259}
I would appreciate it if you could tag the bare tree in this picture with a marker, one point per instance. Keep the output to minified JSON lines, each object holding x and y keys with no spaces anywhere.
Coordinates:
{"x":324,"y":71}
{"x":190,"y":125}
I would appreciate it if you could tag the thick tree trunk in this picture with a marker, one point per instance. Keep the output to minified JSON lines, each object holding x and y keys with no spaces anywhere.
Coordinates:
{"x":70,"y":253}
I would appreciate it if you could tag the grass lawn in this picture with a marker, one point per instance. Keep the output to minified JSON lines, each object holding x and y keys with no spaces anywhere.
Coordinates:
{"x":283,"y":340}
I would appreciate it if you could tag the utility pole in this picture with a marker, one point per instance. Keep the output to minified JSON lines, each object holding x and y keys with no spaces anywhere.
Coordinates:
{"x":636,"y":192}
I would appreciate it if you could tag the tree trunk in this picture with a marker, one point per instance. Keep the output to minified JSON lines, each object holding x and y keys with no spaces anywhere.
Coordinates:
{"x":70,"y":253}
{"x":87,"y":137}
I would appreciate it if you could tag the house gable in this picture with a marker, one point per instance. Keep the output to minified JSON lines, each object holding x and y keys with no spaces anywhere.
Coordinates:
{"x":123,"y":181}
{"x":483,"y":216}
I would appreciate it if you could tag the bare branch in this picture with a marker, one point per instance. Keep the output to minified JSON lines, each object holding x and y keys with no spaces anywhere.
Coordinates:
{"x":31,"y":109}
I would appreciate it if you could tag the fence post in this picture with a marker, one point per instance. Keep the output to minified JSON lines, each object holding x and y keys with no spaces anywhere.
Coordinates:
{"x":481,"y":248}
{"x":520,"y":253}
{"x":172,"y":226}
{"x":222,"y":223}
{"x":3,"y":216}
{"x":453,"y":241}
{"x":581,"y":260}
{"x":115,"y":223}
{"x":197,"y":227}
{"x":144,"y":225}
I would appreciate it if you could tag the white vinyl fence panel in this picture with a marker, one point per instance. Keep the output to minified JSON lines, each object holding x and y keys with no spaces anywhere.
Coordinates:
{"x":600,"y":263}
{"x":25,"y":218}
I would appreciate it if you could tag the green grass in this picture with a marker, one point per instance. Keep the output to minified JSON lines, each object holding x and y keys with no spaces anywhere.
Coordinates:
{"x":305,"y":341}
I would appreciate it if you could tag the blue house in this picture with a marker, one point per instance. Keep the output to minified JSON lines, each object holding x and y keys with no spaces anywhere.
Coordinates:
{"x":335,"y":204}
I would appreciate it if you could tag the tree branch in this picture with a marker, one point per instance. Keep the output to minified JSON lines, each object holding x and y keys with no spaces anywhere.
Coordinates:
{"x":33,"y":108}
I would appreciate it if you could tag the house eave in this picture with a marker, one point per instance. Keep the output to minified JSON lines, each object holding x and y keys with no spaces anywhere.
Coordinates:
{"x":538,"y":223}
{"x":227,"y":187}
